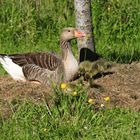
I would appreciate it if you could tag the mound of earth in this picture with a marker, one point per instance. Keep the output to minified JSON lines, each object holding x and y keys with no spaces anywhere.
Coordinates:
{"x":121,"y":84}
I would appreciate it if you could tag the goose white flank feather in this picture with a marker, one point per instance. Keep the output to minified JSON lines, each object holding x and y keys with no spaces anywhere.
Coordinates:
{"x":13,"y":69}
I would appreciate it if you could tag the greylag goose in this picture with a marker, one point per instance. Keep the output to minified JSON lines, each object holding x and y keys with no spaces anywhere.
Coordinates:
{"x":44,"y":67}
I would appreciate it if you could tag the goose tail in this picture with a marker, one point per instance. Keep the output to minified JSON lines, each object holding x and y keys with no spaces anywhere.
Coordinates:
{"x":14,"y":70}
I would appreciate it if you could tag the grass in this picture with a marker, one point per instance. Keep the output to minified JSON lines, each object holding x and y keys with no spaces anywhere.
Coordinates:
{"x":27,"y":26}
{"x":35,"y":26}
{"x":72,"y":117}
{"x":116,"y":27}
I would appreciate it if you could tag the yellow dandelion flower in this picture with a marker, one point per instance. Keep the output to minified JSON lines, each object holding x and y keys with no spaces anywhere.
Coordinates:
{"x":91,"y":101}
{"x":63,"y":86}
{"x":74,"y":93}
{"x":107,"y":99}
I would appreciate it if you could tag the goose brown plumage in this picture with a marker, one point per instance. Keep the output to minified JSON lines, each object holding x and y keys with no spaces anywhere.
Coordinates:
{"x":44,"y":67}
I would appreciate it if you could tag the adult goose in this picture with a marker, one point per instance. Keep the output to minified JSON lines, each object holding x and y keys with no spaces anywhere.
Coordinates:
{"x":44,"y":67}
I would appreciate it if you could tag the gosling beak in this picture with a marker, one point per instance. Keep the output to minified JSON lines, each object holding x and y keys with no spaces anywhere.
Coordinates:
{"x":79,"y":34}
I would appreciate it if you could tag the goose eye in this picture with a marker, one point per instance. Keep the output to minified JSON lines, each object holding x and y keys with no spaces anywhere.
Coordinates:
{"x":68,"y":30}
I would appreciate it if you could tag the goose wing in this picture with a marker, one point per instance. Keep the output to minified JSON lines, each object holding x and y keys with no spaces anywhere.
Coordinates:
{"x":44,"y":60}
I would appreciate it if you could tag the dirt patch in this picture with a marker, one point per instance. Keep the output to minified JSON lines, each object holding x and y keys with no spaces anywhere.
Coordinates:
{"x":12,"y":92}
{"x":121,"y":84}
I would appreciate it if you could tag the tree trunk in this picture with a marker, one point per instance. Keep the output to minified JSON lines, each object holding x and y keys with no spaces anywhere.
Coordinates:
{"x":84,"y":22}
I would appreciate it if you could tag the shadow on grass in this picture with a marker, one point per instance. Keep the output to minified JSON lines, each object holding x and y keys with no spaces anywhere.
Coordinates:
{"x":124,"y":57}
{"x":87,"y":54}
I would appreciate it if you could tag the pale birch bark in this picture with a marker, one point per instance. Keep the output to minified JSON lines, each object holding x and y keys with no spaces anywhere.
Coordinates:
{"x":84,"y":22}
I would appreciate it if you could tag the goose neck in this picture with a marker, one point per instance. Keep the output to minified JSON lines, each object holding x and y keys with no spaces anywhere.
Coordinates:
{"x":65,"y":48}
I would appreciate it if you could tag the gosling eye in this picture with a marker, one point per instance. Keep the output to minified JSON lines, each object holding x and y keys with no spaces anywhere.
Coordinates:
{"x":68,"y":30}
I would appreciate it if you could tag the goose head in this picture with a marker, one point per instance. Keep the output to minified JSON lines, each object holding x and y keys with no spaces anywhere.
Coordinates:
{"x":71,"y":33}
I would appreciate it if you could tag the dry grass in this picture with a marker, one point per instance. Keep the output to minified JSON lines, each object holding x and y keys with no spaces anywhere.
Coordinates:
{"x":122,"y":87}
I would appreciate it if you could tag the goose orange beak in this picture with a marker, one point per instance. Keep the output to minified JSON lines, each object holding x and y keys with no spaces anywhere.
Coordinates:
{"x":79,"y":34}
